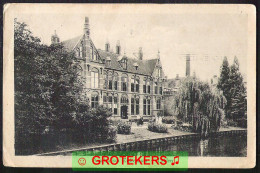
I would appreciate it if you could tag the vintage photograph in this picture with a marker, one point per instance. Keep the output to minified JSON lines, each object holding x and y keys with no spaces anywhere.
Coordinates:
{"x":98,"y":80}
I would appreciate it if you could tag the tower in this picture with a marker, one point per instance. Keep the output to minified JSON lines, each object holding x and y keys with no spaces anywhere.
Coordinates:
{"x":187,"y":65}
{"x":54,"y":38}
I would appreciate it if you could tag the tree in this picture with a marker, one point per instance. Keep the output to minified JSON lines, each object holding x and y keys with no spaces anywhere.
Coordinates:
{"x":238,"y":106}
{"x":200,"y":106}
{"x":225,"y":85}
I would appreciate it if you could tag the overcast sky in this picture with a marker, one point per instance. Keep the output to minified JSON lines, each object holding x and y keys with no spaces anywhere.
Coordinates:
{"x":208,"y":38}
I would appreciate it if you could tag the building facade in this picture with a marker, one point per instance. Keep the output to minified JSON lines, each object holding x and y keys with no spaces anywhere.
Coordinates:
{"x":130,"y":87}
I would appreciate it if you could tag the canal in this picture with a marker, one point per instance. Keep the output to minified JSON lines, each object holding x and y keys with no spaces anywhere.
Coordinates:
{"x":223,"y":146}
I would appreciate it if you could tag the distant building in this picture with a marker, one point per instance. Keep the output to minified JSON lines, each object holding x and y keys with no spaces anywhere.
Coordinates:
{"x":128,"y":86}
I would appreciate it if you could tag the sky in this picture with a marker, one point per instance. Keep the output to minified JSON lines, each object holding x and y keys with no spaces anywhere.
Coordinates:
{"x":206,"y":37}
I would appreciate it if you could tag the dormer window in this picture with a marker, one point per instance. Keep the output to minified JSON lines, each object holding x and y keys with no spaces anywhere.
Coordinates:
{"x":124,"y":63}
{"x":108,"y":61}
{"x":136,"y":66}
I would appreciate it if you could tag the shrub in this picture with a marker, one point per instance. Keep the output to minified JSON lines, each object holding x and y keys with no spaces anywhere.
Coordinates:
{"x":155,"y":127}
{"x":123,"y":128}
{"x":111,"y":135}
{"x":184,"y":127}
{"x":168,"y":120}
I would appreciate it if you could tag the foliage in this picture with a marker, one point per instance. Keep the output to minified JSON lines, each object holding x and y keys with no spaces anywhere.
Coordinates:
{"x":200,"y":106}
{"x":232,"y":85}
{"x":111,"y":135}
{"x":49,"y":99}
{"x":182,"y":127}
{"x":159,"y":128}
{"x":123,"y":127}
{"x":224,"y":85}
{"x":169,"y":120}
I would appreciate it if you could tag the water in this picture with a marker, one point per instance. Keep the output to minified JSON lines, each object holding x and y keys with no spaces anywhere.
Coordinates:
{"x":222,"y":146}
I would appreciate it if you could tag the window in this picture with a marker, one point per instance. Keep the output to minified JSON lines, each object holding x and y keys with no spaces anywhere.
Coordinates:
{"x":94,"y":100}
{"x":124,"y":83}
{"x":137,"y":106}
{"x":159,"y":72}
{"x":110,"y":81}
{"x":96,"y":56}
{"x":155,"y":88}
{"x":144,"y":108}
{"x":137,"y":81}
{"x":124,"y":99}
{"x":132,"y":106}
{"x":123,"y":62}
{"x":91,"y":53}
{"x":105,"y":100}
{"x":115,"y":104}
{"x":148,"y":107}
{"x":132,"y":84}
{"x":110,"y":98}
{"x":161,"y":90}
{"x":106,"y":80}
{"x":80,"y":51}
{"x":85,"y":70}
{"x":158,"y":104}
{"x":144,"y":87}
{"x":115,"y":81}
{"x":148,"y":87}
{"x":94,"y":79}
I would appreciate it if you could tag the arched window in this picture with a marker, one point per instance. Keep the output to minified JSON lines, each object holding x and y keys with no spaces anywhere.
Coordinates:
{"x":144,"y":85}
{"x":110,"y":102}
{"x":148,"y":86}
{"x":148,"y":106}
{"x":115,"y":81}
{"x":124,"y":82}
{"x":94,"y":78}
{"x":144,"y":106}
{"x":158,"y":104}
{"x":94,"y":100}
{"x":137,"y":105}
{"x":115,"y":104}
{"x":132,"y":105}
{"x":137,"y":82}
{"x":110,"y":80}
{"x":132,"y":84}
{"x":155,"y":88}
{"x":105,"y":80}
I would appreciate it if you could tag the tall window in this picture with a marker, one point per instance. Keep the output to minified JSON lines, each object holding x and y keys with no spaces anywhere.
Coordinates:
{"x":105,"y":99}
{"x":85,"y":69}
{"x":148,"y":107}
{"x":161,"y":90}
{"x":110,"y":98}
{"x":106,"y":80}
{"x":137,"y":81}
{"x":95,"y":56}
{"x":110,"y":81}
{"x":148,"y":87}
{"x":80,"y":51}
{"x":132,"y":84}
{"x":137,"y":106}
{"x":91,"y":53}
{"x":158,"y":104}
{"x":124,"y":83}
{"x":132,"y":106}
{"x":155,"y":88}
{"x":94,"y":78}
{"x":144,"y":86}
{"x":144,"y":106}
{"x":115,"y":81}
{"x":159,"y":72}
{"x":94,"y":100}
{"x":115,"y":104}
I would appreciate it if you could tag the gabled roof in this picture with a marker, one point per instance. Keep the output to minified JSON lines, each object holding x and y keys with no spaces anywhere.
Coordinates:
{"x":145,"y":67}
{"x":71,"y":43}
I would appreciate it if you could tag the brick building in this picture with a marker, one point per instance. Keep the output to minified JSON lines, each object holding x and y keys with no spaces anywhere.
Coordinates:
{"x":129,"y":86}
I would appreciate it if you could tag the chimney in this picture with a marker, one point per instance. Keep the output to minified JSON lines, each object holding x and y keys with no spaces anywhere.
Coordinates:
{"x":140,"y":54}
{"x":118,"y":48}
{"x":54,"y":38}
{"x":187,"y":65}
{"x":107,"y":46}
{"x":86,"y":27}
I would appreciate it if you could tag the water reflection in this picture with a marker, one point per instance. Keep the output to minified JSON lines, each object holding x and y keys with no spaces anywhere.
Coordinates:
{"x":224,"y":146}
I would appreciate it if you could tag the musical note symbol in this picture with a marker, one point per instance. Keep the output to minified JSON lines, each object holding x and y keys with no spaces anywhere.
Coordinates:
{"x":177,"y":162}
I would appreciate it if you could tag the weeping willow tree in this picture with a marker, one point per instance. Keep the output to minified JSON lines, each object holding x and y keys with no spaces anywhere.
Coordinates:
{"x":198,"y":104}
